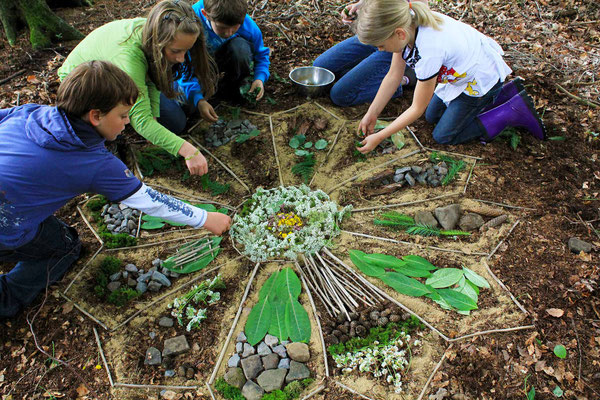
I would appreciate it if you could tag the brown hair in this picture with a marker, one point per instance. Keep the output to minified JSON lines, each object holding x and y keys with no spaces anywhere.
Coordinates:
{"x":95,"y":85}
{"x":228,"y":12}
{"x":166,"y":19}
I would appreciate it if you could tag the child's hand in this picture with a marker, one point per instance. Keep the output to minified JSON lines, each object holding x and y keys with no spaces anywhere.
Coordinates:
{"x":207,"y":112}
{"x":348,"y":14}
{"x":369,"y":143}
{"x":196,"y":163}
{"x":258,"y":84}
{"x":217,"y":223}
{"x":367,"y":124}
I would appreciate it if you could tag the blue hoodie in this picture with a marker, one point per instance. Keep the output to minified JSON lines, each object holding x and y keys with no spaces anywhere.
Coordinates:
{"x":46,"y":159}
{"x":249,"y":31}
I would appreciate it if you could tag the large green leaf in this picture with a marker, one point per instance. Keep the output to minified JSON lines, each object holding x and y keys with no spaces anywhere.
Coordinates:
{"x":152,"y":225}
{"x":383,"y":260}
{"x":403,"y":284}
{"x":259,"y":321}
{"x":418,"y":262}
{"x":278,"y":326}
{"x":475,"y":278}
{"x":468,"y":288}
{"x":287,"y":286}
{"x":458,"y":300}
{"x":200,"y":263}
{"x":412,"y":271}
{"x":444,"y":277}
{"x":297,"y":321}
{"x":435,"y":296}
{"x":207,"y":207}
{"x":268,"y":288}
{"x":357,"y":258}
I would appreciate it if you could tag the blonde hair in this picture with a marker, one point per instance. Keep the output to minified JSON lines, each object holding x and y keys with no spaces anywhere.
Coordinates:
{"x":167,"y":19}
{"x":377,"y":19}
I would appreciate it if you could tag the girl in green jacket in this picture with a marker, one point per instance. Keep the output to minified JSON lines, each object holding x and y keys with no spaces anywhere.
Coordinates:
{"x":153,"y":52}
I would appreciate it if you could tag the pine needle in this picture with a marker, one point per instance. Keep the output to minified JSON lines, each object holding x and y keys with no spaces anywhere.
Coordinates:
{"x":423,"y":230}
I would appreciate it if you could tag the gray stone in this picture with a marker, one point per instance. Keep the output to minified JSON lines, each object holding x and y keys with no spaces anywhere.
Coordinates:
{"x":169,"y":373}
{"x":113,"y":209}
{"x":141,"y":287}
{"x":443,"y":170}
{"x":577,"y":245}
{"x":239,"y":347}
{"x":409,"y":178}
{"x":298,"y":351}
{"x":128,"y":212}
{"x":152,"y":356}
{"x":131,"y":225}
{"x":235,"y":377}
{"x":272,"y":379}
{"x":470,"y":222}
{"x":152,"y":269}
{"x":122,"y":206}
{"x":124,"y":224}
{"x":284,"y":363}
{"x":113,"y":286}
{"x":157,"y":262}
{"x":297,"y":372}
{"x":175,"y":346}
{"x":248,"y":350}
{"x":160,"y":278}
{"x":435,"y":183}
{"x":403,"y":170}
{"x":286,"y":342}
{"x":416,"y":169}
{"x":154,"y":286}
{"x":398,"y":178}
{"x":131,"y":282}
{"x":280,"y":350}
{"x":241,"y":337}
{"x":125,"y":274}
{"x":271,"y":340}
{"x":251,"y":391}
{"x":165,"y":322}
{"x":152,"y":335}
{"x":115,"y":277}
{"x":110,"y":227}
{"x":252,"y":366}
{"x":263,"y":349}
{"x":422,"y":178}
{"x":234,"y":361}
{"x":174,"y":274}
{"x":426,"y":218}
{"x":144,"y":277}
{"x":448,"y":216}
{"x":270,"y":361}
{"x":131,"y":268}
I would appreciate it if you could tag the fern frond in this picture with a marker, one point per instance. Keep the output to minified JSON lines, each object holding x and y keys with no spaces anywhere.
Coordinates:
{"x":215,"y":188}
{"x":305,"y":168}
{"x":423,"y":230}
{"x":454,"y":232}
{"x":391,"y":224}
{"x":454,"y":168}
{"x":397,"y":217}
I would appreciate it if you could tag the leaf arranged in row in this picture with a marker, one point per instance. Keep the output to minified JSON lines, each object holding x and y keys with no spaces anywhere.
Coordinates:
{"x":395,"y":220}
{"x":278,"y":311}
{"x":452,"y":288}
{"x":203,"y":249}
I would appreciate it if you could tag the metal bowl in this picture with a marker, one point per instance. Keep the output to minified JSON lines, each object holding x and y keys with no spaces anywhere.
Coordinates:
{"x":312,"y":81}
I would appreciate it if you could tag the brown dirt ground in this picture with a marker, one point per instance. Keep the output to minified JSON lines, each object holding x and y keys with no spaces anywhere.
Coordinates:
{"x":547,"y":42}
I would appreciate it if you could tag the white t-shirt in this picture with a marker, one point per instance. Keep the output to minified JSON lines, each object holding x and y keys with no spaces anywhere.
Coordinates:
{"x":464,"y":59}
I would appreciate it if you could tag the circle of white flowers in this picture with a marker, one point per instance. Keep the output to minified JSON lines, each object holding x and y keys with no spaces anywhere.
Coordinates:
{"x":286,"y":221}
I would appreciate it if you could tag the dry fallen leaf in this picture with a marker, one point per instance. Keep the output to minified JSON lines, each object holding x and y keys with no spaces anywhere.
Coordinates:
{"x":555,"y":312}
{"x":67,"y":308}
{"x":82,"y":390}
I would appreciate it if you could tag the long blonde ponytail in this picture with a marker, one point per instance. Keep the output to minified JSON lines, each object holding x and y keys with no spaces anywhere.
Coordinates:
{"x":377,"y":19}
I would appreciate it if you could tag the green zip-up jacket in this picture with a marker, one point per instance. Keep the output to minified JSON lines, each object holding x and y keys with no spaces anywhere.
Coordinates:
{"x":120,"y":42}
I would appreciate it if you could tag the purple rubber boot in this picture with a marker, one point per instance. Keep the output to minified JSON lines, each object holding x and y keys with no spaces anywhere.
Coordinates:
{"x":516,"y":112}
{"x":508,"y":91}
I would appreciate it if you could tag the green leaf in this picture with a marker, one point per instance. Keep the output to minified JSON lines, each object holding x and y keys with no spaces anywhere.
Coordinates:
{"x":469,"y":289}
{"x":302,"y":153}
{"x":531,"y":394}
{"x":152,"y":225}
{"x":357,"y":257}
{"x":174,"y":223}
{"x":278,"y":326}
{"x":287,"y":286}
{"x":379,"y":125}
{"x":223,"y":210}
{"x":558,"y":139}
{"x":398,"y":139}
{"x":207,"y":207}
{"x":259,"y":321}
{"x":403,"y":284}
{"x":150,"y":218}
{"x":475,"y":278}
{"x":294,"y":142}
{"x":412,"y":271}
{"x":558,"y":392}
{"x":435,"y":296}
{"x":200,"y":263}
{"x":560,"y":351}
{"x":383,"y":260}
{"x":444,"y":277}
{"x":515,"y":139}
{"x":418,"y":262}
{"x":321,"y":144}
{"x":297,"y":321}
{"x":308,"y":145}
{"x":458,"y":300}
{"x":268,"y":288}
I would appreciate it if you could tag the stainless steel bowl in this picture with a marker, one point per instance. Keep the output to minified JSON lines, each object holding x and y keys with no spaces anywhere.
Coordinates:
{"x":312,"y":81}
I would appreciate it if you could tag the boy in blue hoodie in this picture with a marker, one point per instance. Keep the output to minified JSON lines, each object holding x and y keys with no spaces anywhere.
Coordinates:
{"x":48,"y":155}
{"x":235,"y":42}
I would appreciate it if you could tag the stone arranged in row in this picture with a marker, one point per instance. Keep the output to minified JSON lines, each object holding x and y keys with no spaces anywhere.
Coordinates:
{"x":424,"y":174}
{"x":140,"y":280}
{"x":120,"y":219}
{"x":451,"y":216}
{"x":222,"y":132}
{"x":261,"y":369}
{"x":171,"y":348}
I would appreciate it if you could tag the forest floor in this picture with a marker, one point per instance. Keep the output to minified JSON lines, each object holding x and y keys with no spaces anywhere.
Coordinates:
{"x":554,"y":45}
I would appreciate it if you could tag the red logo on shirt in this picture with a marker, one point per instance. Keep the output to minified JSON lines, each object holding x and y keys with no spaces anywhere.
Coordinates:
{"x":449,"y":75}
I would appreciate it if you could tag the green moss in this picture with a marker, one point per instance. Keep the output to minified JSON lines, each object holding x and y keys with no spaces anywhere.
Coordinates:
{"x":97,"y":203}
{"x":114,"y":241}
{"x":294,"y":389}
{"x":122,"y":296}
{"x":110,"y":265}
{"x":228,"y":391}
{"x":275,"y":395}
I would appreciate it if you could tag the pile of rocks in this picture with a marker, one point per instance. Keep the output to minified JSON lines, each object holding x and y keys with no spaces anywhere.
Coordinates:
{"x":171,"y":348}
{"x":424,"y":174}
{"x":140,"y":280}
{"x":451,"y":216}
{"x":342,"y":330}
{"x":120,"y":219}
{"x":222,"y":132}
{"x":266,"y":367}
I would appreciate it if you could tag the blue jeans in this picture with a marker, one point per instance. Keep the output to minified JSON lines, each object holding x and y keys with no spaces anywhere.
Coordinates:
{"x":42,"y":261}
{"x":456,"y":123}
{"x":359,"y":70}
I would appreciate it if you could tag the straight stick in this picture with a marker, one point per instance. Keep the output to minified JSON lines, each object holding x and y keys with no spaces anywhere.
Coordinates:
{"x":135,"y":162}
{"x":326,"y":110}
{"x":367,"y":294}
{"x":439,"y":364}
{"x":315,"y":286}
{"x":168,"y":387}
{"x":275,"y":152}
{"x":518,"y":328}
{"x":83,"y":269}
{"x":141,"y":246}
{"x":351,"y":390}
{"x":469,"y":177}
{"x":325,"y":302}
{"x":323,"y":286}
{"x":504,"y":205}
{"x":454,"y":154}
{"x":90,"y":225}
{"x":335,"y":295}
{"x":314,"y":392}
{"x":416,"y":138}
{"x":503,"y":239}
{"x":86,"y":313}
{"x":112,"y":384}
{"x":499,"y":282}
{"x":338,"y":283}
{"x":212,"y":395}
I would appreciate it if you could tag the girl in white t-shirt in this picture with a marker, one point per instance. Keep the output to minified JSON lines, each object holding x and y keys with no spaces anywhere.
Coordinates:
{"x":460,"y":74}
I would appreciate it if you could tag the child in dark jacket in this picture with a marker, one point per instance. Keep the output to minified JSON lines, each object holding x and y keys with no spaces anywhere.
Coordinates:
{"x":236,"y":43}
{"x":48,"y":155}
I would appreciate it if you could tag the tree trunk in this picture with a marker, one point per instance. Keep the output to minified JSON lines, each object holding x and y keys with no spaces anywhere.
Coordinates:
{"x":44,"y":26}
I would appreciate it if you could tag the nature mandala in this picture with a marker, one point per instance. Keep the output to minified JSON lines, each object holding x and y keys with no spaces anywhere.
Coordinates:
{"x":285,"y":222}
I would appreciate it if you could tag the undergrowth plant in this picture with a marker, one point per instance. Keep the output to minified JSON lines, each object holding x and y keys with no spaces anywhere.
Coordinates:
{"x":397,"y":221}
{"x":454,"y":166}
{"x":305,"y":167}
{"x":204,"y":294}
{"x":156,"y":159}
{"x":109,"y":266}
{"x":215,"y":188}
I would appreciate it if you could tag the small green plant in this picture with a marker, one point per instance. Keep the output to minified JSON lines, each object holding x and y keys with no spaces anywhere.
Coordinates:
{"x":531,"y":393}
{"x":275,"y":395}
{"x":122,"y":296}
{"x":454,"y":166}
{"x":206,"y":293}
{"x":154,"y":159}
{"x":227,"y":391}
{"x":243,"y":137}
{"x":249,"y":95}
{"x":279,"y":78}
{"x":305,"y":168}
{"x":117,"y":240}
{"x":397,"y":221}
{"x":560,"y":351}
{"x":215,"y":188}
{"x":97,"y":203}
{"x":109,"y":266}
{"x":358,"y":156}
